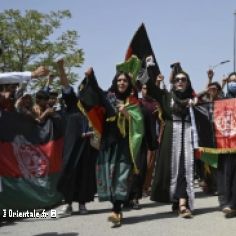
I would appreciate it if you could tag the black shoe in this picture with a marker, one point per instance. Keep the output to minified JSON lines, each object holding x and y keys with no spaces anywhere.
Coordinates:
{"x":230,"y":213}
{"x":175,"y":207}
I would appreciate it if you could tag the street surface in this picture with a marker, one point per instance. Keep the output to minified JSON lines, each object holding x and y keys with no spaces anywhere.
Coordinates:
{"x":152,"y":219}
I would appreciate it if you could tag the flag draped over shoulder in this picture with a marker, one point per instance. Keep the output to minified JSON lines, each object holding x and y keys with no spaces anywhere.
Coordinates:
{"x":136,"y":130}
{"x":96,"y":105}
{"x":140,"y":46}
{"x":216,"y":127}
{"x":30,"y":161}
{"x":136,"y":127}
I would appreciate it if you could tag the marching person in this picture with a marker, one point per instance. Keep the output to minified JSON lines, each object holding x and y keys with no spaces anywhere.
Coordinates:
{"x":120,"y":143}
{"x":174,"y":172}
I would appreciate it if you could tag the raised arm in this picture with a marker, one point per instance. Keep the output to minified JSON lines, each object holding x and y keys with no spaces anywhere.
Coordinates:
{"x":19,"y":77}
{"x":63,"y":77}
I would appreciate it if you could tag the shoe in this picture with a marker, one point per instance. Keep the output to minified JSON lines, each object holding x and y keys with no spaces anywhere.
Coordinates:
{"x":226,"y":209}
{"x":185,"y":212}
{"x":115,"y":218}
{"x":65,"y":211}
{"x":136,"y":205}
{"x":146,"y":193}
{"x":175,"y":207}
{"x":215,"y":193}
{"x":82,"y":209}
{"x":230,"y":213}
{"x":202,"y":184}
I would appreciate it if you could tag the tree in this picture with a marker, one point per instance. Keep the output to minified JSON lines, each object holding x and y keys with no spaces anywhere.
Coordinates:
{"x":29,"y":40}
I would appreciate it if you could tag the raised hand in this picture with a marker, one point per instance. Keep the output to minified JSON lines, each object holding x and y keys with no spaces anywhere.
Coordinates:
{"x":89,"y":72}
{"x":39,"y":72}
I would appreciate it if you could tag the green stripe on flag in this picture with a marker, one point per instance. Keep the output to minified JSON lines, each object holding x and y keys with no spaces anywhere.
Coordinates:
{"x":24,"y":194}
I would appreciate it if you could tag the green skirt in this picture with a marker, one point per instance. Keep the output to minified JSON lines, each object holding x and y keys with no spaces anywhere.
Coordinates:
{"x":113,"y":172}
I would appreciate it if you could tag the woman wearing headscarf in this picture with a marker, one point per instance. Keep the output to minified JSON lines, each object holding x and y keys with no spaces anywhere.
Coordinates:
{"x":174,"y":171}
{"x":120,"y":141}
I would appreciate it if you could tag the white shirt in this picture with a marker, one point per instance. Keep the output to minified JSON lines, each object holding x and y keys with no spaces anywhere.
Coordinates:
{"x":14,"y":77}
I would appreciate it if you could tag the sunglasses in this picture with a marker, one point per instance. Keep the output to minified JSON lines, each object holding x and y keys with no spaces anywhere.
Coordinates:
{"x":178,"y":79}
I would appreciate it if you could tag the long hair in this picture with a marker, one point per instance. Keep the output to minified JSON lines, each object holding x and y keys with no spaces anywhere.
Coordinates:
{"x":188,"y":92}
{"x":114,"y":87}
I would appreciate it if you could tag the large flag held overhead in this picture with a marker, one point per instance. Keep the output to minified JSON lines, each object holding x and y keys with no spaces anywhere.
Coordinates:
{"x":93,"y":103}
{"x":30,"y":161}
{"x":140,"y":46}
{"x":216,"y":129}
{"x":132,"y":66}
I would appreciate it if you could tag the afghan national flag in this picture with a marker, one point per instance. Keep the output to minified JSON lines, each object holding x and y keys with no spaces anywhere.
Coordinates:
{"x":141,"y":47}
{"x":216,"y":127}
{"x":93,"y":103}
{"x":131,"y":66}
{"x":30,"y":161}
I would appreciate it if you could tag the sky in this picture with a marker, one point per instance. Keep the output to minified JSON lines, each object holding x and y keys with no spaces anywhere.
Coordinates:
{"x":199,"y":34}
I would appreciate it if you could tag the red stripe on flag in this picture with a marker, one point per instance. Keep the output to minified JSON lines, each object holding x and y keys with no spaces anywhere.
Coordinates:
{"x":25,"y":160}
{"x":129,"y":53}
{"x":96,"y":117}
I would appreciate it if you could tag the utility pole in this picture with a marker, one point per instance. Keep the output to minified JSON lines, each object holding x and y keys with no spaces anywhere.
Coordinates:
{"x":234,"y":41}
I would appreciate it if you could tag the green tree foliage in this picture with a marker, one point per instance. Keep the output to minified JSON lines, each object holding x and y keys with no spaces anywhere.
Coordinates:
{"x":29,"y":40}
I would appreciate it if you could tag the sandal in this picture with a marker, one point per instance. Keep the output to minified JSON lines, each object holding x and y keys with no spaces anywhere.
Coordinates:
{"x":115,"y":218}
{"x":184,"y":212}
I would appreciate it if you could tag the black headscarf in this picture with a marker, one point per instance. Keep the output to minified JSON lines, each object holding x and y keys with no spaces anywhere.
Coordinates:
{"x":114,"y":87}
{"x":181,"y":98}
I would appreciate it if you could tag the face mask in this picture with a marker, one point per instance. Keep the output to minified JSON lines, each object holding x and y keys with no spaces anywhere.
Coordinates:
{"x":140,"y":95}
{"x":232,"y":87}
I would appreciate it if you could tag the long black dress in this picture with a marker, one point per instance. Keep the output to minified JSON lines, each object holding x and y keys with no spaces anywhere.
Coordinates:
{"x":78,"y":178}
{"x":174,"y":171}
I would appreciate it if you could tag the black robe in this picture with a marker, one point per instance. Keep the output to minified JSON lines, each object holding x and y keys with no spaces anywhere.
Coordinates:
{"x":78,"y":178}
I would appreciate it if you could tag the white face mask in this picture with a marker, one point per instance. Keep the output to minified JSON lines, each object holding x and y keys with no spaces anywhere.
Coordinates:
{"x":140,"y":95}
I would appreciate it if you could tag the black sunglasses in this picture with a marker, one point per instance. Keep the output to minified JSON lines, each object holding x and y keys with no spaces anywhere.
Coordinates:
{"x":178,"y":79}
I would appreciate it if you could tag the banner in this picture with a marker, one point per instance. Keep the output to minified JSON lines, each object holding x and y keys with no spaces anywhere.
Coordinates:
{"x":216,"y":126}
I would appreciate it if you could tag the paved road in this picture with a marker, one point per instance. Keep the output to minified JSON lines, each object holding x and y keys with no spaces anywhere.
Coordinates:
{"x":152,"y":219}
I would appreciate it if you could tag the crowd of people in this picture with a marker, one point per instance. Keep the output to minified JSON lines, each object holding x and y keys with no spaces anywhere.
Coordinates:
{"x":146,"y":148}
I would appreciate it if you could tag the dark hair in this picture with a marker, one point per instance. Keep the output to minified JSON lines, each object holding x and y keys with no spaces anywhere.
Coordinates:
{"x":215,"y":84}
{"x":114,"y":88}
{"x":53,"y":93}
{"x":189,"y":92}
{"x":233,"y":73}
{"x":41,"y":94}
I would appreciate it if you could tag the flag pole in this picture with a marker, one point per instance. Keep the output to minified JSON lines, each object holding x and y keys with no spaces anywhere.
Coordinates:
{"x":234,"y":40}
